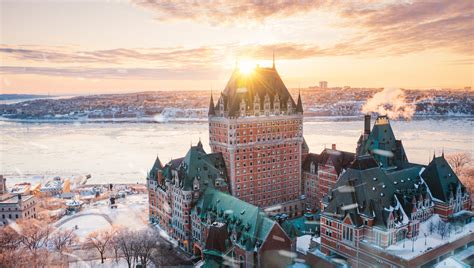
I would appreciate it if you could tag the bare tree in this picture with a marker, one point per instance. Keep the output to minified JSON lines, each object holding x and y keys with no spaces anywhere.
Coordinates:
{"x":126,"y":243}
{"x":100,"y":240}
{"x":442,"y":229}
{"x":62,"y":240}
{"x":10,"y":250}
{"x":147,"y":242}
{"x":458,"y":161}
{"x":34,"y":238}
{"x":114,"y":244}
{"x":432,"y":227}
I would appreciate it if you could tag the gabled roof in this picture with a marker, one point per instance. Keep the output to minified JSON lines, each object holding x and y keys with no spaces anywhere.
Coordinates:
{"x":248,"y":222}
{"x":299,"y":105}
{"x":340,"y":159}
{"x":441,"y":179}
{"x":197,"y":164}
{"x":383,"y":146}
{"x":156,"y":166}
{"x":211,"y":107}
{"x":367,"y":190}
{"x":311,"y":158}
{"x":304,"y":146}
{"x":261,"y":81}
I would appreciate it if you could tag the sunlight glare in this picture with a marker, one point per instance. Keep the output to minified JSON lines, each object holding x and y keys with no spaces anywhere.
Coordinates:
{"x":246,"y":67}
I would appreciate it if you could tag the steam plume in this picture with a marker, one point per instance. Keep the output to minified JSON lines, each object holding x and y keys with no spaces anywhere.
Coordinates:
{"x":390,"y":102}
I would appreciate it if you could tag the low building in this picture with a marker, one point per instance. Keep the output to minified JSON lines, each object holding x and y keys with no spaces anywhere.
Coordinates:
{"x":56,"y":186}
{"x":382,"y":202}
{"x":15,"y":207}
{"x":189,"y":199}
{"x":450,"y":196}
{"x":320,"y":173}
{"x":227,"y":228}
{"x":175,"y":188}
{"x":21,"y":188}
{"x":310,"y":181}
{"x":332,"y":163}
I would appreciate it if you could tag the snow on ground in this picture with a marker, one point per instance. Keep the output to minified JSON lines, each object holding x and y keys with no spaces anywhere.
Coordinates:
{"x":432,"y":241}
{"x":108,"y":263}
{"x":317,"y":239}
{"x":131,"y":213}
{"x":302,"y":243}
{"x":450,"y":263}
{"x":86,"y":224}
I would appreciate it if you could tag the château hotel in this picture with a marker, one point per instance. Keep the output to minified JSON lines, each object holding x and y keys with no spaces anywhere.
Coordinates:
{"x":258,"y":128}
{"x":252,"y":199}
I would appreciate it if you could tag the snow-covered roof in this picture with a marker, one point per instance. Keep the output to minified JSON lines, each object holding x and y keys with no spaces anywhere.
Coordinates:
{"x":302,"y":243}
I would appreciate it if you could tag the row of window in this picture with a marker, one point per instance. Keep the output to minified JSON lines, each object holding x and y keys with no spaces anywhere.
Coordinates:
{"x":259,"y":170}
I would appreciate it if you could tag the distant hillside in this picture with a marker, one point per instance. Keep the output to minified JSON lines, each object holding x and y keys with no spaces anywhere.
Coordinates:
{"x":21,"y":96}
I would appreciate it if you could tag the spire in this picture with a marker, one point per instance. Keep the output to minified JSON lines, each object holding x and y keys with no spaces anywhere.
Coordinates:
{"x":199,"y":143}
{"x":211,"y":106}
{"x":273,"y":58}
{"x":299,"y":106}
{"x":157,"y":164}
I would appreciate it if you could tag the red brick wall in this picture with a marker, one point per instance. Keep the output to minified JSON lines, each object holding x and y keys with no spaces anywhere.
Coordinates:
{"x":270,"y":253}
{"x":263,"y":157}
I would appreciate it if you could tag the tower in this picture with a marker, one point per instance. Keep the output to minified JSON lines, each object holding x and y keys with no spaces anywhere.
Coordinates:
{"x":260,"y":134}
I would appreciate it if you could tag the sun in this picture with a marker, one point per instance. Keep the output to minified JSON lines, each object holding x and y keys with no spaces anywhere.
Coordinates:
{"x":246,"y":67}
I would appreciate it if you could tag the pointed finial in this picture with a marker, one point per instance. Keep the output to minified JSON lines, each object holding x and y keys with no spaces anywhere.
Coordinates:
{"x":442,"y":154}
{"x":273,"y":58}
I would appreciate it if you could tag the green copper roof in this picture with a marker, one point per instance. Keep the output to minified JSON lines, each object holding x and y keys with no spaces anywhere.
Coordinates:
{"x":371,"y":191}
{"x":247,"y":221}
{"x":441,"y":179}
{"x":196,"y":165}
{"x":381,"y":140}
{"x":301,"y":226}
{"x":261,"y":81}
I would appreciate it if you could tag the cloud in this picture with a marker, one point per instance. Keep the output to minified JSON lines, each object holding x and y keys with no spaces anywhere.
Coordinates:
{"x":224,"y":12}
{"x":203,"y":56}
{"x":116,"y":73}
{"x":420,"y":25}
{"x":398,"y":27}
{"x":163,"y":56}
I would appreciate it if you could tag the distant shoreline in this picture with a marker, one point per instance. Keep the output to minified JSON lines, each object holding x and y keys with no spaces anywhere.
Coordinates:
{"x":204,"y":119}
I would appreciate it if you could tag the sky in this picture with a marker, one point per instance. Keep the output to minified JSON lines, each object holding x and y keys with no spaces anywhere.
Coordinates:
{"x":95,"y":46}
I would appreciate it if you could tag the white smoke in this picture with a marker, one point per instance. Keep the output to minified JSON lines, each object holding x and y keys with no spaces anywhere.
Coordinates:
{"x":390,"y":102}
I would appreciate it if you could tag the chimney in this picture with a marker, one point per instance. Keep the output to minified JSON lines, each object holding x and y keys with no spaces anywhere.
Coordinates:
{"x":367,"y":124}
{"x":333,"y":146}
{"x":3,"y":185}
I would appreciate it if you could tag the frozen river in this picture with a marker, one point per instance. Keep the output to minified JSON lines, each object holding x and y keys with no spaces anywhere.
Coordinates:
{"x":123,"y":152}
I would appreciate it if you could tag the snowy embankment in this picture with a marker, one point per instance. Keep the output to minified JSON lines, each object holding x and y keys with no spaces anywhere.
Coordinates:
{"x":131,"y":213}
{"x":422,"y":244}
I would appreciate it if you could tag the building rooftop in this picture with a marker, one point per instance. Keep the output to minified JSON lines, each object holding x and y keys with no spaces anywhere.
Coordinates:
{"x":254,"y":87}
{"x":10,"y":199}
{"x":247,"y":224}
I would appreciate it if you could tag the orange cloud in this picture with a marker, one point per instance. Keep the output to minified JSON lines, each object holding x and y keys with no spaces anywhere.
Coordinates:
{"x":396,"y":27}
